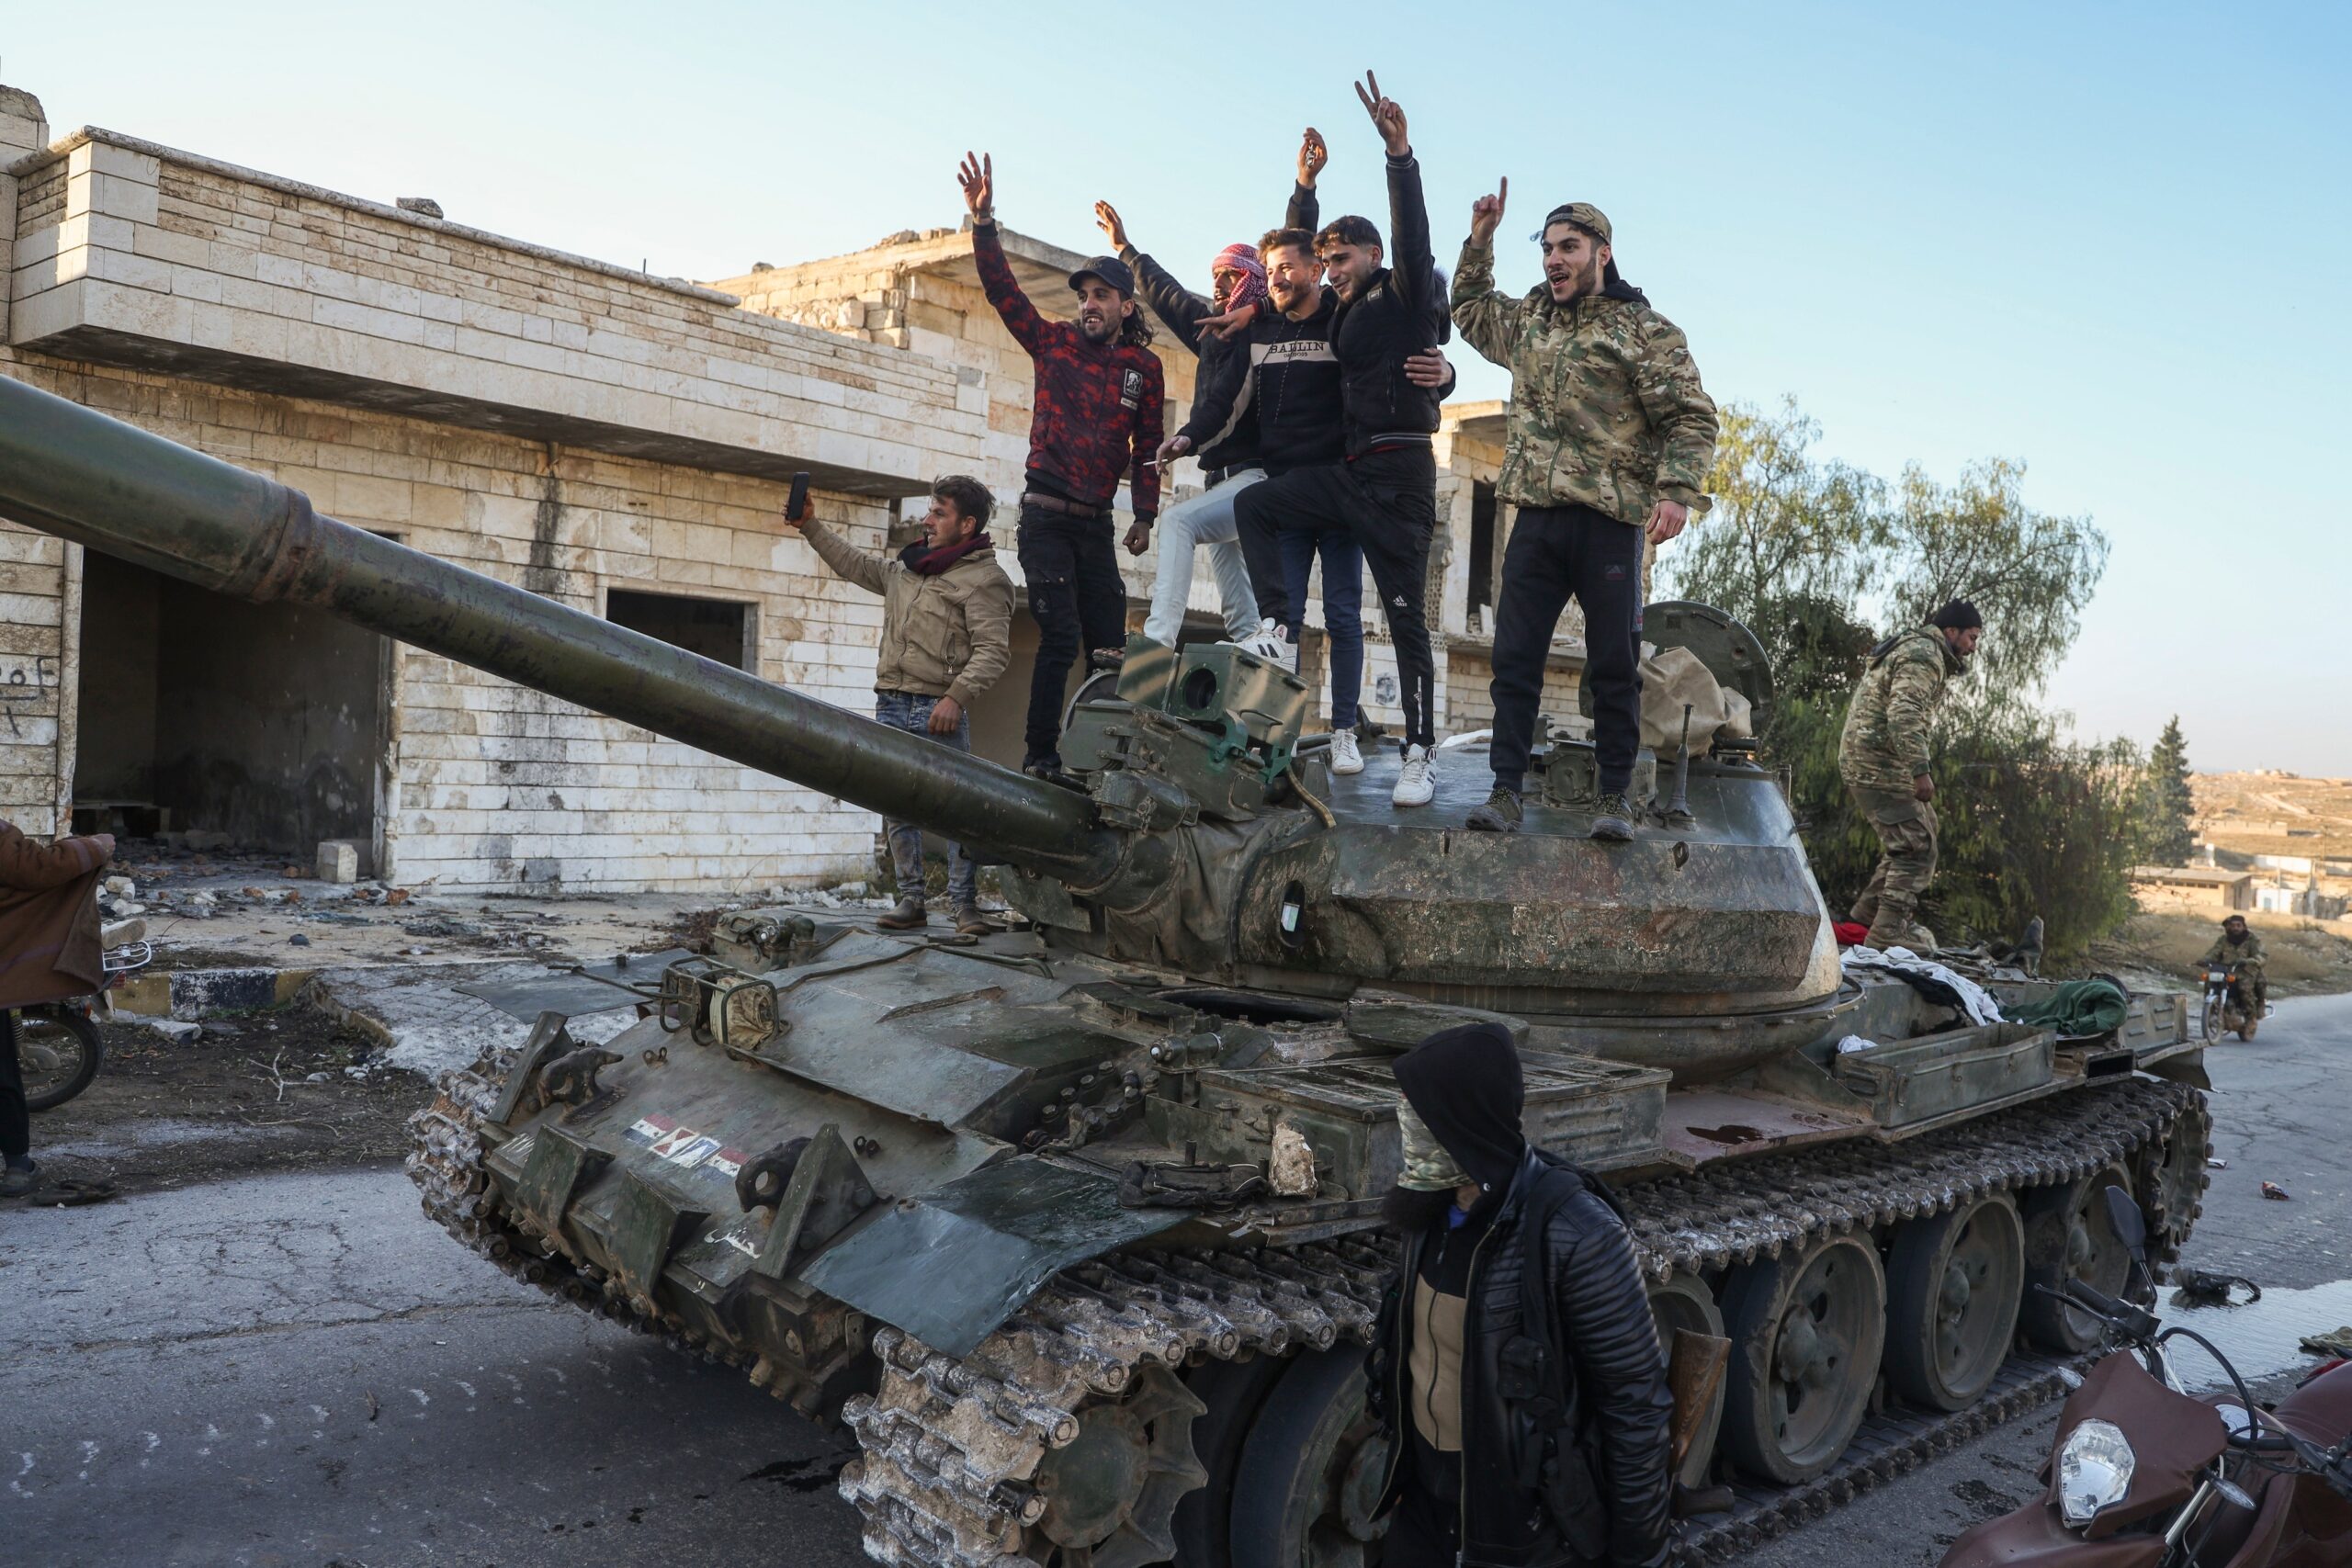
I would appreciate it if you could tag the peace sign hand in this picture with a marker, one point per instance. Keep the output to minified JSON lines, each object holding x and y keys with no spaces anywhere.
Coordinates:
{"x":1387,"y":116}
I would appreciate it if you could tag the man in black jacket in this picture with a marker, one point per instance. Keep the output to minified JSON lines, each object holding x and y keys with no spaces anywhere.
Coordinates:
{"x":1384,"y":488}
{"x":1515,"y":1364}
{"x":1230,"y":464}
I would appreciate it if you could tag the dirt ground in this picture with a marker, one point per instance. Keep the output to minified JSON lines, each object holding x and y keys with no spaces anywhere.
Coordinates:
{"x":2305,"y":958}
{"x":163,"y":1115}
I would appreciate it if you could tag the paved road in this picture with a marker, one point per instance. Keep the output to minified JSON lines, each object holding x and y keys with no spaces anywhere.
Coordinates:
{"x":297,"y":1371}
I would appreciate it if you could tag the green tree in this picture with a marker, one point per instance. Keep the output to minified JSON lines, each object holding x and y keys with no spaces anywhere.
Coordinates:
{"x":2028,"y":574}
{"x":1788,"y":535}
{"x":1808,"y":553}
{"x":2167,"y":802}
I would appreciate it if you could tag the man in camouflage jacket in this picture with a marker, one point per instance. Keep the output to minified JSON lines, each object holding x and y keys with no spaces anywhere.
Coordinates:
{"x":2239,"y":946}
{"x":1882,"y":757}
{"x":1610,"y":437}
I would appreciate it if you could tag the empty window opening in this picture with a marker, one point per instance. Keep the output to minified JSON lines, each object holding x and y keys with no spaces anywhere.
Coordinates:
{"x":199,"y":712}
{"x":718,"y":629}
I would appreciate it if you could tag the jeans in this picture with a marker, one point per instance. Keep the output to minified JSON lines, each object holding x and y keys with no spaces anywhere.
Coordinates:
{"x":1555,"y":552}
{"x":1205,"y":519}
{"x":910,"y":711}
{"x":1342,"y":606}
{"x":1078,"y":601}
{"x":1388,"y":502}
{"x":16,"y":1118}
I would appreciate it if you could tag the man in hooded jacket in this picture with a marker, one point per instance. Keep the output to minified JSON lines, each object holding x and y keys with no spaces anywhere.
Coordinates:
{"x":1515,"y":1364}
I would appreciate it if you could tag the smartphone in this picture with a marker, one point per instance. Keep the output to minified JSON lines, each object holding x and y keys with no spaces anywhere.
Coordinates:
{"x":796,"y":510}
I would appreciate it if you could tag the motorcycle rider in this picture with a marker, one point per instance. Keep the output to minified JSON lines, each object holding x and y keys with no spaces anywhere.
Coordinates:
{"x":49,"y":950}
{"x":1518,"y":1318}
{"x":2237,"y":947}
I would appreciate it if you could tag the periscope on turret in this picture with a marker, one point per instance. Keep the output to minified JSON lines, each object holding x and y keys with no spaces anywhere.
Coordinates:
{"x":1076,"y":1225}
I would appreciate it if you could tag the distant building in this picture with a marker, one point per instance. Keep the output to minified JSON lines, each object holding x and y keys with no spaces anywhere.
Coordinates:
{"x":2192,"y":887}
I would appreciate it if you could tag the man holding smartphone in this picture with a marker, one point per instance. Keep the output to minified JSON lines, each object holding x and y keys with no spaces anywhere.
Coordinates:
{"x":947,"y":636}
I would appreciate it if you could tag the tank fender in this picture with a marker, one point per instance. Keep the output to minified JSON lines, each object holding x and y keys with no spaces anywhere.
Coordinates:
{"x":950,"y":1266}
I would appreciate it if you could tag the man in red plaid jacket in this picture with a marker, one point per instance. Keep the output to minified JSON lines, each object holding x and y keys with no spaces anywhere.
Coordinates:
{"x":1096,"y":419}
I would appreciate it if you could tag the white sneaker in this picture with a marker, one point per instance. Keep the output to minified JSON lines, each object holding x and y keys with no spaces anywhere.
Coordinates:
{"x":1345,"y":757}
{"x":1273,"y":644}
{"x":1414,"y":785}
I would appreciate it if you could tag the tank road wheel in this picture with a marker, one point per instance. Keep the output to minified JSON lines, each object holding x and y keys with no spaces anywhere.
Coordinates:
{"x":2067,"y":1237}
{"x":1953,"y":1285}
{"x":1234,"y":1391}
{"x":2171,"y":1188}
{"x":1311,"y":1471}
{"x":1110,"y":1496}
{"x":1684,"y":1301}
{"x":1806,"y":1328}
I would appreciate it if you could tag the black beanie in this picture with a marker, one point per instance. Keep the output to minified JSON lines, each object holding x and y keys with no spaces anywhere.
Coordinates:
{"x":1956,"y":616}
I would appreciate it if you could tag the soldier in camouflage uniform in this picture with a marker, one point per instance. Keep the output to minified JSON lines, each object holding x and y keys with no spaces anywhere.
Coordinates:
{"x":1610,"y":437}
{"x":1882,"y":757}
{"x":2239,"y":946}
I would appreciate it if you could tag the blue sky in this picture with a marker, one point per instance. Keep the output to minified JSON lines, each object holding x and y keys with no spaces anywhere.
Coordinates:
{"x":2108,"y":240}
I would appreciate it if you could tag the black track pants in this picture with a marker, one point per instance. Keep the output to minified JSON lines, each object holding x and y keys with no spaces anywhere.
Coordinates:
{"x":1388,"y":500}
{"x":1557,"y":552}
{"x":1080,"y":603}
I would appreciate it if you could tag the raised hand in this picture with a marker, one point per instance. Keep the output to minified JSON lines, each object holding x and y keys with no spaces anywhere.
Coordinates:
{"x":1312,"y":156}
{"x":976,"y":175}
{"x":1387,"y":116}
{"x":1487,"y":212}
{"x":1106,"y":217}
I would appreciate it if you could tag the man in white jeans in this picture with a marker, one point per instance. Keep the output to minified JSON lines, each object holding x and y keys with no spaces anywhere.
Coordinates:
{"x":1237,"y":281}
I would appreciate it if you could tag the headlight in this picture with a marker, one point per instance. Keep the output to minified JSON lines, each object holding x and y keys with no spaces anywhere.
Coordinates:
{"x":2095,"y":1466}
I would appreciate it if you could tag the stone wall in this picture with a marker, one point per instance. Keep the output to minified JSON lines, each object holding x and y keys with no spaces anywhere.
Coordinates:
{"x":558,"y":423}
{"x":489,"y":784}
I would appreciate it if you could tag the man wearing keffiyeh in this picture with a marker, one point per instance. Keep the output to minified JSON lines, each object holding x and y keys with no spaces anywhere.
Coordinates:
{"x":1237,"y":279}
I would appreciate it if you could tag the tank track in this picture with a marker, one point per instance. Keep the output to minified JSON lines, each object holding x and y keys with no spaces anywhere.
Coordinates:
{"x":952,"y":1448}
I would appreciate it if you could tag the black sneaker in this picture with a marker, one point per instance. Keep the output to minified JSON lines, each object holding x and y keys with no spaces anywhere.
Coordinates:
{"x":1501,"y":814}
{"x":1049,"y":768}
{"x":19,"y":1179}
{"x":1612,"y":820}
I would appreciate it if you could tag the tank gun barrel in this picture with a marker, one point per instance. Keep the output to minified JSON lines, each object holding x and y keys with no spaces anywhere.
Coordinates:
{"x":68,"y":470}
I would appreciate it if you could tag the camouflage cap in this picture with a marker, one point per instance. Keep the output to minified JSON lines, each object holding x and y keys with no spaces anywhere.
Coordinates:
{"x":1428,"y":1167}
{"x":1583,"y":214}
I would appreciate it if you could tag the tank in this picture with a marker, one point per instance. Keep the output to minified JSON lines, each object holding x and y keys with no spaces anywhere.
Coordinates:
{"x":1076,"y":1225}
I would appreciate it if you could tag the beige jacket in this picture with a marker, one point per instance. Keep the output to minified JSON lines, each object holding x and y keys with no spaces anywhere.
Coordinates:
{"x":946,"y":635}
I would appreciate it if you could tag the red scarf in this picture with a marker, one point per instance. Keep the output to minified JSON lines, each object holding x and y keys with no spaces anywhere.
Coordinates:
{"x":924,"y":561}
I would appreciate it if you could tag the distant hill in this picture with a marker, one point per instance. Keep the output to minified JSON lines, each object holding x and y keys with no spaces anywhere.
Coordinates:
{"x":2266,"y":813}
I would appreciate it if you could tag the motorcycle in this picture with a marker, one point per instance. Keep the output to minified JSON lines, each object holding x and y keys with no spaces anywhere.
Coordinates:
{"x":2227,"y":1006}
{"x":2142,"y":1474}
{"x":58,"y":1044}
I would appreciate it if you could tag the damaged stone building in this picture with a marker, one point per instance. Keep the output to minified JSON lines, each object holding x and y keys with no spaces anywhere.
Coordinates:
{"x":618,"y":441}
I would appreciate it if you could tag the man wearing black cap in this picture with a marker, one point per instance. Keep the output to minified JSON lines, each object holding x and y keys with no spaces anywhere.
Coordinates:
{"x":1516,"y":1363}
{"x":1608,"y":438}
{"x":1095,"y":419}
{"x":1882,"y":757}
